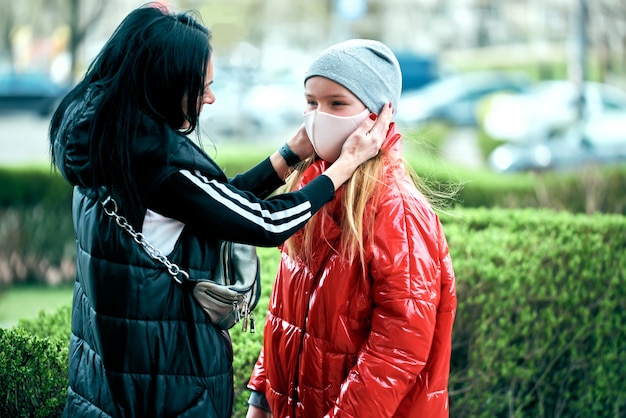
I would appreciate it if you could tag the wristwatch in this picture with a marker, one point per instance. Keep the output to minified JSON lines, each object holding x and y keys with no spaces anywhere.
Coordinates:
{"x":291,"y":158}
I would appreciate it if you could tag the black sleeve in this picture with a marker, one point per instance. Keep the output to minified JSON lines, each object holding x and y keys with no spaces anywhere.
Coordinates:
{"x":219,"y":210}
{"x":261,"y":179}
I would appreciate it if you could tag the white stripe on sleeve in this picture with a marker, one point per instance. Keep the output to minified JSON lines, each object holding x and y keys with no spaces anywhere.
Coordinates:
{"x":251,"y":211}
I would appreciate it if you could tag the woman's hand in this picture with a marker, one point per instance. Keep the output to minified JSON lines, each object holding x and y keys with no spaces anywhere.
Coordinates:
{"x":301,"y":144}
{"x":366,"y":141}
{"x":254,"y":412}
{"x":362,"y":145}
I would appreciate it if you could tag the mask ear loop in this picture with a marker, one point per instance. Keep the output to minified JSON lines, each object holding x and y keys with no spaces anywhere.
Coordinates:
{"x":309,"y":123}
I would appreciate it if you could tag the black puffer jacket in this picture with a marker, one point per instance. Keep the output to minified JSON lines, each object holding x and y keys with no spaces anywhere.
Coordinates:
{"x":140,"y":345}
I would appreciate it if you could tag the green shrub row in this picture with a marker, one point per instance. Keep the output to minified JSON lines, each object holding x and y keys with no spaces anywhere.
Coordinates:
{"x":37,"y":238}
{"x":589,"y":190}
{"x":540,"y":328}
{"x":33,"y":373}
{"x":541,"y":322}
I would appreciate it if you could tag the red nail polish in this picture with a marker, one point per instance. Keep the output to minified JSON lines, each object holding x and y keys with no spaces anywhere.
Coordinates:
{"x":373,"y":116}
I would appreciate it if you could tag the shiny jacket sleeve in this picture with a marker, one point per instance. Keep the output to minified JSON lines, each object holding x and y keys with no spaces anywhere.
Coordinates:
{"x":407,"y":254}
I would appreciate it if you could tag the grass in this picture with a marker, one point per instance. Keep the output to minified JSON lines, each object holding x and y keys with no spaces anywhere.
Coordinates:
{"x":25,"y":302}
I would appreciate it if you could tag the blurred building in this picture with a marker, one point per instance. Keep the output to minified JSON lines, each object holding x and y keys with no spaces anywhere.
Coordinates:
{"x":510,"y":31}
{"x":286,"y":32}
{"x":485,"y":33}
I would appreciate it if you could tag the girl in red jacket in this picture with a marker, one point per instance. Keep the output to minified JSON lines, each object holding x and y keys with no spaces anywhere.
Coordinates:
{"x":361,"y":313}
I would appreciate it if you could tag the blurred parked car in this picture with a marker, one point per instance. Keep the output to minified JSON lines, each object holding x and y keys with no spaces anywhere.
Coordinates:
{"x":247,"y":105}
{"x":31,"y":92}
{"x":601,"y":140}
{"x":454,"y":98}
{"x":275,"y":105}
{"x":417,"y":70}
{"x":224,"y":116}
{"x":549,"y":106}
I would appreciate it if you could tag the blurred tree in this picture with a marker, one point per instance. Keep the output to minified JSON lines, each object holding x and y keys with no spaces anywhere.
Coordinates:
{"x":7,"y":23}
{"x":435,"y":26}
{"x":257,"y":19}
{"x":42,"y":18}
{"x":607,"y":19}
{"x":81,"y":20}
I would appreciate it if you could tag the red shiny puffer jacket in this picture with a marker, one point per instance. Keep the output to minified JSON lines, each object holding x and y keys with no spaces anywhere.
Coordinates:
{"x":341,"y":343}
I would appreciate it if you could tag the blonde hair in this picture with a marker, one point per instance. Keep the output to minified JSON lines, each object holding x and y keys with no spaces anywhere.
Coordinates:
{"x":355,"y":224}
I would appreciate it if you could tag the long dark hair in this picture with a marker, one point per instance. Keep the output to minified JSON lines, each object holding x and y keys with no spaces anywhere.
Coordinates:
{"x":153,"y":60}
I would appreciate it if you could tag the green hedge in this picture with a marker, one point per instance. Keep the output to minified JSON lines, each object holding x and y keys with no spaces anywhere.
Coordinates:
{"x":33,"y":374}
{"x":28,"y":187}
{"x":246,"y":346}
{"x":589,"y":190}
{"x":541,"y":322}
{"x":540,"y":328}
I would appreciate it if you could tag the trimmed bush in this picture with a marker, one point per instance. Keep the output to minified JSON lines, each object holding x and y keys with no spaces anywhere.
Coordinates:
{"x":541,"y":321}
{"x":55,"y":325}
{"x":36,"y":232}
{"x":540,"y":328}
{"x":247,"y":346}
{"x":37,"y":237}
{"x":33,"y":374}
{"x":27,"y":187}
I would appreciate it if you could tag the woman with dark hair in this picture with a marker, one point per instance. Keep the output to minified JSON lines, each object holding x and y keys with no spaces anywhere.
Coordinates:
{"x":140,"y":345}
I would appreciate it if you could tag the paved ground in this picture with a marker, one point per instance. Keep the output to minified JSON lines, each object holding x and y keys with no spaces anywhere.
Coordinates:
{"x":23,"y":139}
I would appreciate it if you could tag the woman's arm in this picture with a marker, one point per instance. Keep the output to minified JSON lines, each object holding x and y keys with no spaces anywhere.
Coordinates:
{"x":217,"y":210}
{"x":262,"y":179}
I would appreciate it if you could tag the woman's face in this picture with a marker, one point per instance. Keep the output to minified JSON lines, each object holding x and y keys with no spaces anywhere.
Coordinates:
{"x":329,"y":97}
{"x":207,"y":96}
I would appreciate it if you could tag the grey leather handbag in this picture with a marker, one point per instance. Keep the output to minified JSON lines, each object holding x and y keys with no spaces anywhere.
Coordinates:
{"x":235,"y":288}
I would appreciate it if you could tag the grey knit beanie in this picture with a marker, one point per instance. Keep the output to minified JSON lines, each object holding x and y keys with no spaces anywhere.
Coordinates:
{"x":365,"y":67}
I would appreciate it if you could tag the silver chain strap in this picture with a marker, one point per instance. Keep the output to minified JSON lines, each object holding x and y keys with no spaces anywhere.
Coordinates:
{"x":110,"y":208}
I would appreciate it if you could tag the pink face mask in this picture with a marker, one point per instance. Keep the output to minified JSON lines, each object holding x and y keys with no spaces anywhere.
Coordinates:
{"x":328,"y":132}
